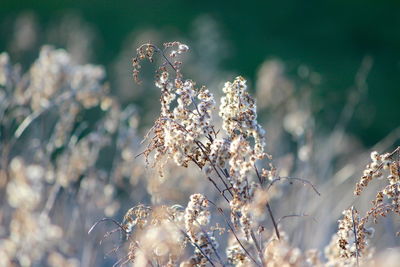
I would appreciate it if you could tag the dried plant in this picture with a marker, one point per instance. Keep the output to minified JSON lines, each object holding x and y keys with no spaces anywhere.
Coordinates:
{"x":50,"y":152}
{"x":70,"y":154}
{"x":186,"y":132}
{"x":353,"y":237}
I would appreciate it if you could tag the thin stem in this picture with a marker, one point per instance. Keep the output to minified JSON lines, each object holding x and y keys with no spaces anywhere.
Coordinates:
{"x":214,"y":167}
{"x":161,"y":52}
{"x":33,"y":116}
{"x":273,"y":221}
{"x":195,"y":162}
{"x":269,"y":207}
{"x":233,"y":232}
{"x":304,"y":181}
{"x":355,"y":234}
{"x":210,"y":242}
{"x":253,"y":236}
{"x":259,"y":176}
{"x":195,"y":105}
{"x":51,"y":199}
{"x":108,"y":234}
{"x":290,"y":216}
{"x":219,"y":190}
{"x":120,"y":261}
{"x":188,"y":237}
{"x":197,"y":246}
{"x":115,"y":249}
{"x":104,"y":220}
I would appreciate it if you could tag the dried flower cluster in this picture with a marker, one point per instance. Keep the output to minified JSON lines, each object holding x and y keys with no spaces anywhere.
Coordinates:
{"x":352,"y":243}
{"x":56,"y":120}
{"x":386,"y":200}
{"x":197,"y":215}
{"x":186,"y":133}
{"x":185,"y":112}
{"x":155,"y":232}
{"x":353,"y":236}
{"x":239,"y":114}
{"x":374,"y":170}
{"x":68,"y":156}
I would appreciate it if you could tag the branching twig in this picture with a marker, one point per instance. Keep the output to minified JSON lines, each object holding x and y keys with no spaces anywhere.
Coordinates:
{"x":160,"y":51}
{"x":220,"y":211}
{"x":258,"y":247}
{"x":197,"y":246}
{"x":273,"y":220}
{"x":104,"y":220}
{"x":211,"y":243}
{"x":291,"y":216}
{"x":304,"y":181}
{"x":269,"y":207}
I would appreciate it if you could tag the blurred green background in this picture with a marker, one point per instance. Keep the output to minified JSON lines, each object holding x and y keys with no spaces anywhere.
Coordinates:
{"x":331,"y":38}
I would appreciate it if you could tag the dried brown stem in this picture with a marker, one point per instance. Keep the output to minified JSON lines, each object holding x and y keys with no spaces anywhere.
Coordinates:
{"x":197,"y":246}
{"x":269,"y":207}
{"x":273,"y":220}
{"x":355,"y":234}
{"x":304,"y":181}
{"x":104,"y":220}
{"x":258,"y":247}
{"x":220,"y":211}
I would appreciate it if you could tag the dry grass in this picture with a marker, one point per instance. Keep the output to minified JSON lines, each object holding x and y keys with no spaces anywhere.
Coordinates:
{"x":71,"y":155}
